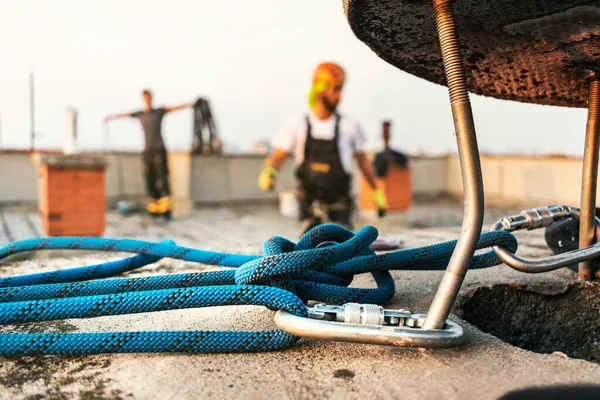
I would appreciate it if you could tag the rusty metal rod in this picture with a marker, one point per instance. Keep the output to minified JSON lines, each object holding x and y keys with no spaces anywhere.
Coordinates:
{"x":589,"y":178}
{"x":470,"y":164}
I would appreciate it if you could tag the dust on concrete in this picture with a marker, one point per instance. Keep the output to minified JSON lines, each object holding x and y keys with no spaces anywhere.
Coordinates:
{"x":54,"y":377}
{"x":39,"y":327}
{"x":343,"y":373}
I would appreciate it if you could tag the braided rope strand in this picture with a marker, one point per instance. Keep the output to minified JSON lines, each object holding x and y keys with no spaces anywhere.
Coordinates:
{"x":286,"y":277}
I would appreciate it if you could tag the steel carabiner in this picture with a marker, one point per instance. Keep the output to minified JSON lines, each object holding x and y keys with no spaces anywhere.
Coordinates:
{"x":370,"y":324}
{"x":540,"y":218}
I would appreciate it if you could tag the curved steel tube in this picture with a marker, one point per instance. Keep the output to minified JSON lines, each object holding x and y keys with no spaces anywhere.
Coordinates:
{"x":589,"y":180}
{"x":452,"y":335}
{"x":470,"y":166}
{"x":551,"y":263}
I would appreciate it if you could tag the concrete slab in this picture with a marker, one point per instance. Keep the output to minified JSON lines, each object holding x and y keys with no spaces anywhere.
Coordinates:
{"x":484,"y":368}
{"x":512,"y":49}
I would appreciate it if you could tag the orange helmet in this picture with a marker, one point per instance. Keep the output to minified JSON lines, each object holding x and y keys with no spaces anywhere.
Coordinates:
{"x":330,"y":74}
{"x":326,"y":75}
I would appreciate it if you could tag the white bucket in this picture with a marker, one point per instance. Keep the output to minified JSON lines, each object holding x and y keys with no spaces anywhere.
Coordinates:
{"x":288,"y":204}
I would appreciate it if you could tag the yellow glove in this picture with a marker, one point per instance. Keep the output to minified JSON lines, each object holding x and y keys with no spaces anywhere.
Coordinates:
{"x":266,"y":179}
{"x":380,"y":201}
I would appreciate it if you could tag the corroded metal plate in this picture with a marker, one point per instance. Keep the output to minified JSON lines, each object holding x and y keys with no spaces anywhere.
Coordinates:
{"x":533,"y":51}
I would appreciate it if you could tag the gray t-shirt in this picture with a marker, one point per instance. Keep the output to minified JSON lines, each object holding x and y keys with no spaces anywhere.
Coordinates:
{"x":151,"y":123}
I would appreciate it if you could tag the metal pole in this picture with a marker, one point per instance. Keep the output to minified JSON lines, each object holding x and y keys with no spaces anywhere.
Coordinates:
{"x":589,"y":179}
{"x":470,"y":168}
{"x":31,"y":112}
{"x":106,"y":137}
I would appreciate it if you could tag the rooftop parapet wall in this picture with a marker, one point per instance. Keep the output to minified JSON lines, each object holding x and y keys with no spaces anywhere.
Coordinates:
{"x":231,"y":179}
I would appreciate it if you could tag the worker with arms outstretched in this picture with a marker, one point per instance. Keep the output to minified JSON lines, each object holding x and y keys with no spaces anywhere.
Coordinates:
{"x":155,"y":154}
{"x":323,"y":144}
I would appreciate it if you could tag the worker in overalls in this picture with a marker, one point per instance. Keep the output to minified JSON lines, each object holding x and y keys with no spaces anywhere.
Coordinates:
{"x":323,"y":144}
{"x":156,"y":168}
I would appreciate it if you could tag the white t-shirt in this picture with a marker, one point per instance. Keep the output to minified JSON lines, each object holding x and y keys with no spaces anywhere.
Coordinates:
{"x":292,"y":137}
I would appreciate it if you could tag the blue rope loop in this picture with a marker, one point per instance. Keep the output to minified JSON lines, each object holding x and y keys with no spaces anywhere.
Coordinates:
{"x":286,"y":277}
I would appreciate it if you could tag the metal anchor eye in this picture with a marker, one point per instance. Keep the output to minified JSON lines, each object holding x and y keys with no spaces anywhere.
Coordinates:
{"x":369,"y":323}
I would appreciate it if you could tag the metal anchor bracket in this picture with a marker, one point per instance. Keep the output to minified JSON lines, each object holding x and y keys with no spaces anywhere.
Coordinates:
{"x":371,"y":324}
{"x":540,"y":218}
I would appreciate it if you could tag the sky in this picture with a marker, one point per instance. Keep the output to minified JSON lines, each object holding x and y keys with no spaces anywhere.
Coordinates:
{"x":253,"y":60}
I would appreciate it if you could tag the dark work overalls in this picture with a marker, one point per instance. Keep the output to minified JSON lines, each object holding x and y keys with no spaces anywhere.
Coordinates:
{"x":156,"y":169}
{"x":322,"y":178}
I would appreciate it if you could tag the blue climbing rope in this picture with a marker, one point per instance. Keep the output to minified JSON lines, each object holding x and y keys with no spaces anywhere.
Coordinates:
{"x":286,"y":277}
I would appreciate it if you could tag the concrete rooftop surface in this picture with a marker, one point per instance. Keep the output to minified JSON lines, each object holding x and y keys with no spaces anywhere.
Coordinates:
{"x":483,"y":368}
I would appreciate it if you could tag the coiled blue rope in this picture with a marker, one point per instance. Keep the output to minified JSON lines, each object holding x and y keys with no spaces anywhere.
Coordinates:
{"x":286,"y":277}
